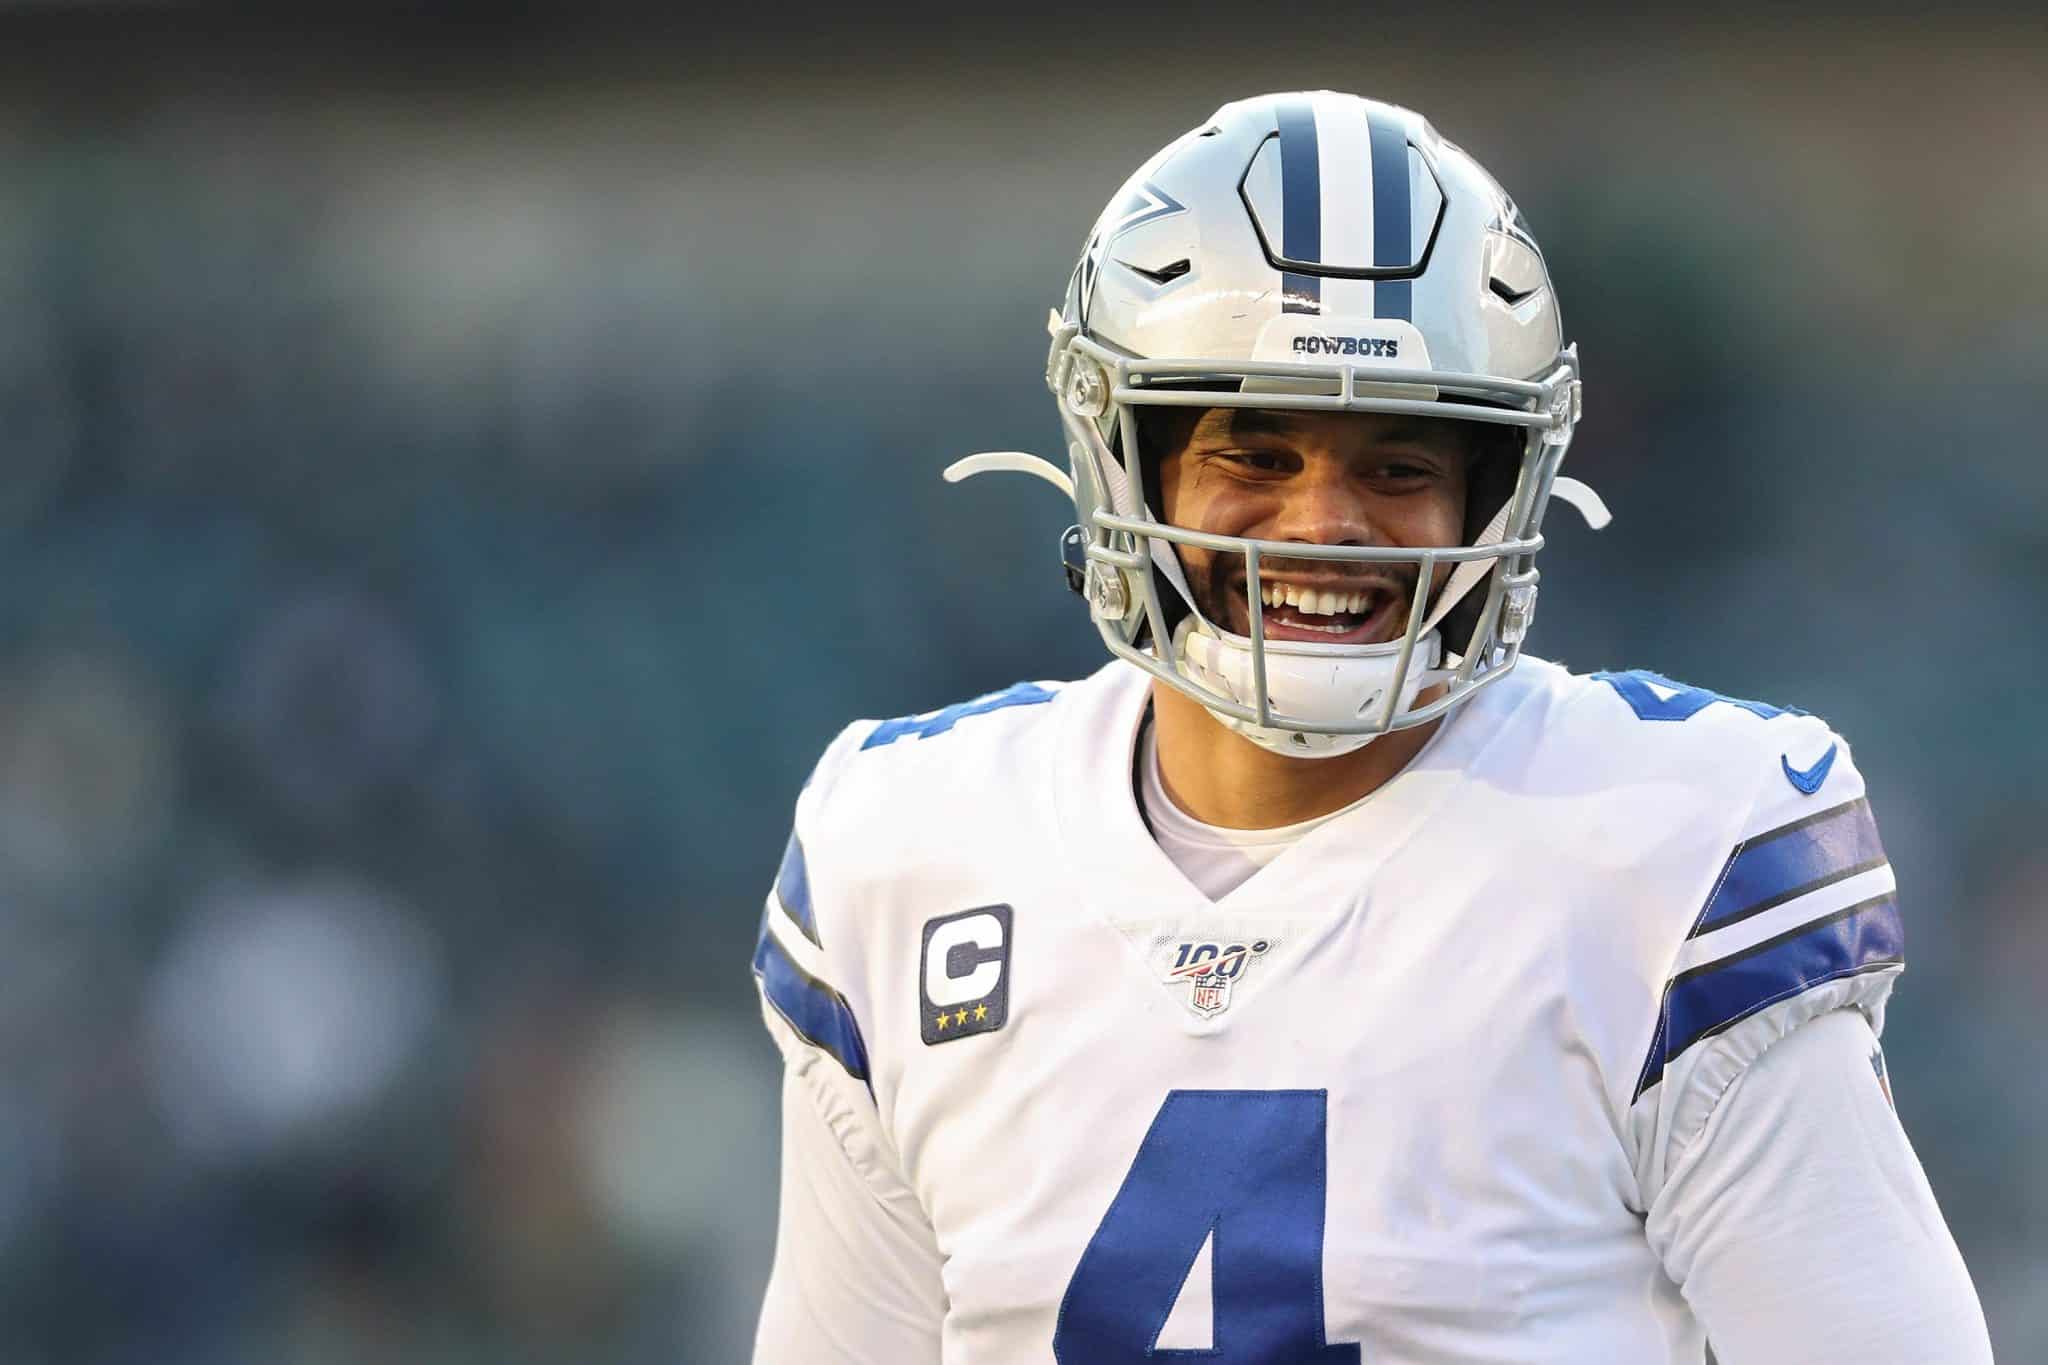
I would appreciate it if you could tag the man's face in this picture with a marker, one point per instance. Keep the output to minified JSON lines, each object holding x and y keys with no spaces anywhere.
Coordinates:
{"x":1319,"y":479}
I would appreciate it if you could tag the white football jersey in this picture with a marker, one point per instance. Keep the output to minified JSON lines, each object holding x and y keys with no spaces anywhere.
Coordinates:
{"x":1408,"y":1094}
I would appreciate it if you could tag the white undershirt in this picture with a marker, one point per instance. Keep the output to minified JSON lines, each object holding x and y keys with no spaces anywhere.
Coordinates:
{"x":1215,"y":859}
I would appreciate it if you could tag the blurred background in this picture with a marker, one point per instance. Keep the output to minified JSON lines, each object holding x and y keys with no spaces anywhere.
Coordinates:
{"x":456,"y":476}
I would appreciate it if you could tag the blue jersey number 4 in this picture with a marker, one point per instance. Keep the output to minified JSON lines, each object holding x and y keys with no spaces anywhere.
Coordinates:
{"x":1247,"y":1168}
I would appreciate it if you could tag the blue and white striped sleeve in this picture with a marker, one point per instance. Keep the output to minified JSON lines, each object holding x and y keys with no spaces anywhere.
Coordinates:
{"x":803,"y":1008}
{"x":1802,"y":919}
{"x":1780,"y":1193}
{"x":856,"y":1276}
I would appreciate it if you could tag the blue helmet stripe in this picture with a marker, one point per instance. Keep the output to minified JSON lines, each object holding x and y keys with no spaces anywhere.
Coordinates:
{"x":1790,"y":861}
{"x":818,"y":1014}
{"x":1301,"y":205}
{"x":1713,"y":998}
{"x":1393,"y":228}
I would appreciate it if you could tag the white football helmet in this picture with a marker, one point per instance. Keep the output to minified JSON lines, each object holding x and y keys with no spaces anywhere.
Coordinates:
{"x":1321,"y":252}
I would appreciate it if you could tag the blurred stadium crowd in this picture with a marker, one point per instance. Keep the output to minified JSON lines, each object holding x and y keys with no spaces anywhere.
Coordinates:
{"x":446,"y":507}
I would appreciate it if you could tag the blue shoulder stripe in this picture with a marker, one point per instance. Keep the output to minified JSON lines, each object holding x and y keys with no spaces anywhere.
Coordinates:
{"x":1790,"y":861}
{"x":819,"y":1014}
{"x":1652,"y":696}
{"x":1716,"y":996}
{"x":793,"y":889}
{"x":924,"y":727}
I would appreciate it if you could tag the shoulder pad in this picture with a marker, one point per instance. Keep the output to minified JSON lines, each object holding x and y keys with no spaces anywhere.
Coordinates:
{"x":866,"y":810}
{"x":941,"y":721}
{"x":1804,"y":896}
{"x":1800,"y":918}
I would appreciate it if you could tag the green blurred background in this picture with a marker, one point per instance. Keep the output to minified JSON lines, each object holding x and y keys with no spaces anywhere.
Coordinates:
{"x":457,"y":475}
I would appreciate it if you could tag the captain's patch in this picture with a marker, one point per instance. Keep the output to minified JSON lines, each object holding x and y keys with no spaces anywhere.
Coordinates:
{"x":964,"y":974}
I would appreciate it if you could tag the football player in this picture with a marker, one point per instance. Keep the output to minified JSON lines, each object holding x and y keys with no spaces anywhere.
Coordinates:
{"x":1325,"y":980}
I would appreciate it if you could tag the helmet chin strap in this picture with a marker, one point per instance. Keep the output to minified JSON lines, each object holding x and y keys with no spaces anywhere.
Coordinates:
{"x":1470,"y":573}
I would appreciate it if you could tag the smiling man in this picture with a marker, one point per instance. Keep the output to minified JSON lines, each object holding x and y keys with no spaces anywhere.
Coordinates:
{"x":1320,"y":478}
{"x":1324,"y":980}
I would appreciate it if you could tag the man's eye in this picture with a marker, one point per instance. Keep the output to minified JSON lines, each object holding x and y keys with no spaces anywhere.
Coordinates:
{"x":1255,"y":459}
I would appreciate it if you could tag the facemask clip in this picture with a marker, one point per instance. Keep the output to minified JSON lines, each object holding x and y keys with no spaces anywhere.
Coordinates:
{"x":1074,"y":559}
{"x":1517,"y":612}
{"x":1107,"y":596}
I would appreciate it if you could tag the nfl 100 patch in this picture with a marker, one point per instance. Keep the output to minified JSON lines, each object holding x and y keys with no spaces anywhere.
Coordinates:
{"x":1209,"y":969}
{"x":964,"y":974}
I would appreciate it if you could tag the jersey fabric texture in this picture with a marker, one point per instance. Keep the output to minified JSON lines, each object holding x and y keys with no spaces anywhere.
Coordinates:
{"x":1425,"y":1088}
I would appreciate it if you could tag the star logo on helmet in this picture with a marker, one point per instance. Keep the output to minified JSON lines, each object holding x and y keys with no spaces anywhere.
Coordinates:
{"x":1145,"y":203}
{"x":1141,"y":203}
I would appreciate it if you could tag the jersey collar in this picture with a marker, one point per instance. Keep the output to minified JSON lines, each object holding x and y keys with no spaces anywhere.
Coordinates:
{"x":1123,"y":874}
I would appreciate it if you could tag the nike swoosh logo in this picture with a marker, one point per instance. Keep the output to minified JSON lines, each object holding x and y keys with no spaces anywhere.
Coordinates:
{"x":1808,"y":780}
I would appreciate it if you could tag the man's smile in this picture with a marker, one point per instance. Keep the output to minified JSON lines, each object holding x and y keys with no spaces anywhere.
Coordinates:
{"x":1323,"y":611}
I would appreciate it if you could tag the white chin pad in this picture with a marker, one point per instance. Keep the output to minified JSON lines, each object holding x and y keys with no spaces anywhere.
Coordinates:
{"x":1313,"y":684}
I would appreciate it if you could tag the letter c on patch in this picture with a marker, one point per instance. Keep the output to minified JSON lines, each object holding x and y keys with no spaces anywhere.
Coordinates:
{"x":974,"y":942}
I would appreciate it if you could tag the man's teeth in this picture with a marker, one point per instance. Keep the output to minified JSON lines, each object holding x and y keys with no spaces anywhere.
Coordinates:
{"x":1312,"y":602}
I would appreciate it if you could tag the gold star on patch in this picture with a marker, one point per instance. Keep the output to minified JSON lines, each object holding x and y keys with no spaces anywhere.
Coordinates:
{"x":960,"y":1017}
{"x":980,"y":1012}
{"x":942,"y":1018}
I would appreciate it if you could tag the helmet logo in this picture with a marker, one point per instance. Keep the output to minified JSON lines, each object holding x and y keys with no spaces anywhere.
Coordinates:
{"x":1386,"y":347}
{"x":1141,"y":203}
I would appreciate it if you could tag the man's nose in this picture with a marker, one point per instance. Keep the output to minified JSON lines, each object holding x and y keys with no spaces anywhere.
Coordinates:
{"x":1324,"y":506}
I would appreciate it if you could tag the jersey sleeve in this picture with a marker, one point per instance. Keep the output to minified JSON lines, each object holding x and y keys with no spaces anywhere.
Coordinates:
{"x":856,"y":1276}
{"x":856,"y":1272}
{"x":1801,"y":919}
{"x":1798,"y":1223}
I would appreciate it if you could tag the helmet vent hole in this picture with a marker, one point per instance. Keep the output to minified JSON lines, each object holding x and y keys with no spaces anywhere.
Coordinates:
{"x":1507,"y":293}
{"x":1211,"y":131}
{"x":1165,"y":274}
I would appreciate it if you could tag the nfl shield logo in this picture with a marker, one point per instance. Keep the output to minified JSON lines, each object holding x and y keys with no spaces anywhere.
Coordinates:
{"x":1210,"y":969}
